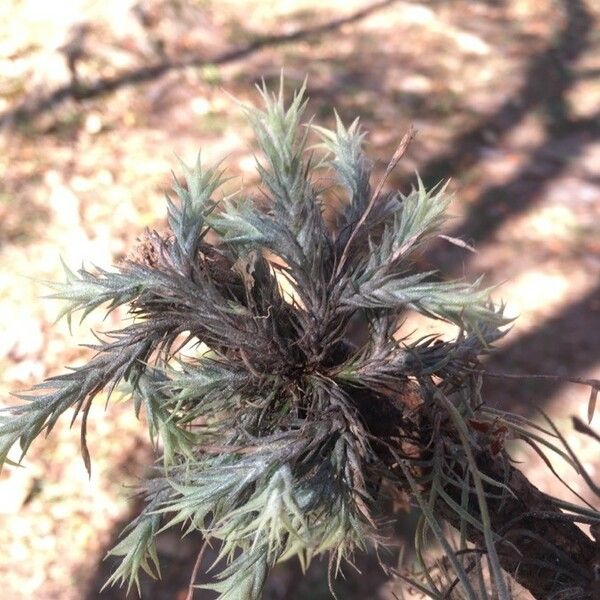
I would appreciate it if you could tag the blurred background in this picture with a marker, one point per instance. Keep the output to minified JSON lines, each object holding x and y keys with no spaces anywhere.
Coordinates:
{"x":98,"y":97}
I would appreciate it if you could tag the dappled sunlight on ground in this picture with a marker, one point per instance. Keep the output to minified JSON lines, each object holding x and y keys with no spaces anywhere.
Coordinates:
{"x":97,"y":100}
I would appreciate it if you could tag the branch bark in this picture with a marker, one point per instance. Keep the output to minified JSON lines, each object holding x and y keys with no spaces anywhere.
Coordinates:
{"x":541,"y":547}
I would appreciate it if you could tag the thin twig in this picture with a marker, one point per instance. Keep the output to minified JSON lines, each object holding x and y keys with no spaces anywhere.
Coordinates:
{"x":400,"y":151}
{"x":595,"y":383}
{"x":190,"y":594}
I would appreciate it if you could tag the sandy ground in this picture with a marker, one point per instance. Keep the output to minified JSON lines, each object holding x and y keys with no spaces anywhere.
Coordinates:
{"x":97,"y":99}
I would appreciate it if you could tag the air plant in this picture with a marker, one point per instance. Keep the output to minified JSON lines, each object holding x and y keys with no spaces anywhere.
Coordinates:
{"x":267,"y":349}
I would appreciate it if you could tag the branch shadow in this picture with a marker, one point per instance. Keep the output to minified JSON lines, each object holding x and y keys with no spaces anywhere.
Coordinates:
{"x":497,"y":204}
{"x":545,"y":81}
{"x":566,"y":344}
{"x":79,"y":91}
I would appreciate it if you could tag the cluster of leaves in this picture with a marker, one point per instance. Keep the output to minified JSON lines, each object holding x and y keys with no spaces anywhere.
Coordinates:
{"x":261,"y":347}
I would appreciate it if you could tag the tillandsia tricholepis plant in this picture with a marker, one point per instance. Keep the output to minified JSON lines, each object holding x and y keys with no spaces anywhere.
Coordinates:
{"x":267,"y":349}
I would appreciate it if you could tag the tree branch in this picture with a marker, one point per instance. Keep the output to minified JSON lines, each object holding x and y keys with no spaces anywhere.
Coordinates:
{"x":541,"y":547}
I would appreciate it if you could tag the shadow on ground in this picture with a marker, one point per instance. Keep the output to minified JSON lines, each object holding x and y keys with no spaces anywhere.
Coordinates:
{"x":286,"y":582}
{"x":561,"y":345}
{"x":566,"y":343}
